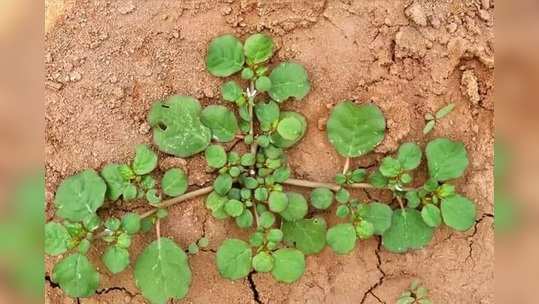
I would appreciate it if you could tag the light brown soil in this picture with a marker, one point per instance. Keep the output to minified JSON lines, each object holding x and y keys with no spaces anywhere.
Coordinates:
{"x":107,"y":61}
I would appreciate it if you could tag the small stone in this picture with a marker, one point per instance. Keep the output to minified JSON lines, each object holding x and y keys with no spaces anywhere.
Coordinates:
{"x":118,"y":92}
{"x":48,"y":58}
{"x":144,"y":128}
{"x":57,"y":86}
{"x":435,"y":22}
{"x":387,"y":22}
{"x":126,"y":8}
{"x":470,"y":86}
{"x":75,"y":76}
{"x":322,"y":124}
{"x":452,"y":27}
{"x":416,"y":13}
{"x":485,"y":4}
{"x":484,"y":15}
{"x":173,"y":162}
{"x":176,"y":34}
{"x":226,"y":10}
{"x":208,"y":92}
{"x":113,"y":79}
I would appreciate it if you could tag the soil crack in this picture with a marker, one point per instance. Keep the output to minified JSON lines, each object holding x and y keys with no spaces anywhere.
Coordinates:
{"x":252,"y":286}
{"x":115,"y":288}
{"x":471,"y":237}
{"x":48,"y":279}
{"x":380,"y":280}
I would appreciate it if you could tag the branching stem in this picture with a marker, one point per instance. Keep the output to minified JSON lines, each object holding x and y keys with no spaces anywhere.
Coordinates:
{"x":334,"y":187}
{"x":346,"y":165}
{"x":179,"y":199}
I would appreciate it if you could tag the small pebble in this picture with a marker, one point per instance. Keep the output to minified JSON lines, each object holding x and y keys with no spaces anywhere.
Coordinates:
{"x":485,"y":4}
{"x":75,"y":76}
{"x":226,"y":10}
{"x":452,"y":27}
{"x":484,"y":15}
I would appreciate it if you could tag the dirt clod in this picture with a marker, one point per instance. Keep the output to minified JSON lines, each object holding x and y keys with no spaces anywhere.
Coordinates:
{"x":470,"y":87}
{"x":416,"y":13}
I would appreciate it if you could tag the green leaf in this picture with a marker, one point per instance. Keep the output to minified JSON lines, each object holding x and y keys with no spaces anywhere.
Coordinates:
{"x":162,"y":272}
{"x":297,"y":207}
{"x":247,"y":74}
{"x":390,"y":167}
{"x":216,"y":156}
{"x":342,"y":196}
{"x":193,"y":248}
{"x":409,"y":156}
{"x":275,"y":235}
{"x":308,"y":235}
{"x":280,"y":141}
{"x":116,"y":259}
{"x":153,"y":197}
{"x":131,"y":223}
{"x":377,"y":179}
{"x":56,"y":238}
{"x":145,"y":160}
{"x":364,"y":230}
{"x":221,"y":121}
{"x":412,"y":198}
{"x":147,"y":182}
{"x":263,"y":84}
{"x":267,"y":114}
{"x":405,"y":300}
{"x":216,"y":203}
{"x":234,"y":208}
{"x":174,"y":182}
{"x":115,"y":181}
{"x":355,"y":130}
{"x":358,"y":175}
{"x":444,"y":111}
{"x":245,"y":220}
{"x":130,"y":192}
{"x":177,"y":128}
{"x":289,"y":265}
{"x":446,"y":159}
{"x":258,"y":48}
{"x":231,"y":91}
{"x":263,"y":262}
{"x":379,"y":215}
{"x":431,"y":215}
{"x":76,"y":276}
{"x":321,"y":198}
{"x":342,"y":211}
{"x":407,"y":231}
{"x":289,"y":80}
{"x":278,"y":201}
{"x":290,"y":128}
{"x":266,"y":220}
{"x":458,"y":212}
{"x":234,"y":259}
{"x":80,"y":195}
{"x":225,"y":56}
{"x":429,"y":126}
{"x":342,"y":238}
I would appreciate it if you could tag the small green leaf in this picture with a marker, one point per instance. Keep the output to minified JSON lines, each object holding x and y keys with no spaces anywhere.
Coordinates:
{"x":358,"y":175}
{"x":92,"y":223}
{"x":174,"y":182}
{"x":282,"y":142}
{"x":280,"y":175}
{"x":145,"y":160}
{"x":407,"y":231}
{"x":258,"y":48}
{"x":263,"y":84}
{"x":431,"y":215}
{"x":126,"y":172}
{"x":263,"y":262}
{"x":390,"y":167}
{"x":275,"y":235}
{"x":364,"y":229}
{"x":290,"y":128}
{"x":247,"y":159}
{"x":216,"y":156}
{"x":234,"y":208}
{"x":261,"y":194}
{"x":342,"y":211}
{"x":266,"y":219}
{"x":377,"y":179}
{"x":355,"y":130}
{"x":308,"y":235}
{"x":84,"y":246}
{"x":203,"y":242}
{"x":76,"y":276}
{"x":405,"y":300}
{"x":116,"y":183}
{"x":342,"y":196}
{"x":177,"y":127}
{"x":342,"y":238}
{"x":131,"y":223}
{"x":379,"y":215}
{"x":446,"y":159}
{"x":444,"y":111}
{"x":289,"y":80}
{"x":147,"y":182}
{"x":113,"y":224}
{"x":234,"y":259}
{"x":221,"y":121}
{"x":409,"y":156}
{"x":124,"y":240}
{"x":80,"y":195}
{"x":225,"y":56}
{"x":429,"y":126}
{"x":413,"y":199}
{"x":247,"y":74}
{"x":130,"y":192}
{"x":116,"y":259}
{"x":256,"y":239}
{"x":267,"y":114}
{"x":296,"y":208}
{"x":278,"y":201}
{"x":56,"y":238}
{"x":162,"y":271}
{"x":245,"y":219}
{"x":216,"y":203}
{"x":153,"y":197}
{"x":231,"y":91}
{"x":458,"y":212}
{"x":321,"y":198}
{"x":289,"y":265}
{"x":222,"y":184}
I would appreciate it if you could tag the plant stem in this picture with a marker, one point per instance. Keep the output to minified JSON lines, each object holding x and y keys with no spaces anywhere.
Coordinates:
{"x":346,"y":165}
{"x":158,"y":232}
{"x":334,"y":187}
{"x":251,"y":100}
{"x":399,"y":199}
{"x":179,"y":199}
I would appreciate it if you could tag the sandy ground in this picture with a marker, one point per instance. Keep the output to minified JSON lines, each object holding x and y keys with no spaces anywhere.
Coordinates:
{"x":107,"y":61}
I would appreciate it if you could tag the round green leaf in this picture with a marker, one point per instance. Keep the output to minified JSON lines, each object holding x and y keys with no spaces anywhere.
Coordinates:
{"x":147,"y":182}
{"x":267,"y":114}
{"x":321,"y":198}
{"x":308,"y":235}
{"x":225,"y":56}
{"x":266,"y":219}
{"x":390,"y":167}
{"x":234,"y":258}
{"x":231,"y":91}
{"x":116,"y":183}
{"x":216,"y":203}
{"x":263,"y":84}
{"x":412,"y":199}
{"x":234,"y":208}
{"x":289,"y":80}
{"x":56,"y":238}
{"x":131,"y":223}
{"x":275,"y":235}
{"x":258,"y":48}
{"x":290,"y":128}
{"x":162,"y":271}
{"x":221,"y":121}
{"x":216,"y":156}
{"x":130,"y":192}
{"x":222,"y":184}
{"x":355,"y":130}
{"x":153,"y":197}
{"x":342,"y":211}
{"x":342,"y":196}
{"x":364,"y":230}
{"x":342,"y":238}
{"x":76,"y":276}
{"x":263,"y":262}
{"x":289,"y":265}
{"x":407,"y":231}
{"x":177,"y":128}
{"x":174,"y":182}
{"x":431,"y":215}
{"x":297,"y":207}
{"x":145,"y":160}
{"x":245,"y":220}
{"x":116,"y":259}
{"x":379,"y":215}
{"x":247,"y":74}
{"x":80,"y":195}
{"x":279,"y":140}
{"x":278,"y":201}
{"x":458,"y":212}
{"x":377,"y":179}
{"x":409,"y":156}
{"x":446,"y":159}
